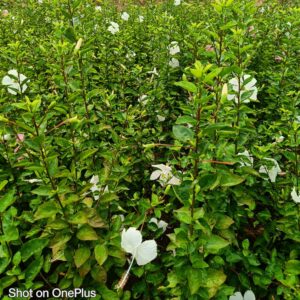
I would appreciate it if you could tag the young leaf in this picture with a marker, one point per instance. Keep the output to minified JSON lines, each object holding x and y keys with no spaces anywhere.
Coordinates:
{"x":81,"y":256}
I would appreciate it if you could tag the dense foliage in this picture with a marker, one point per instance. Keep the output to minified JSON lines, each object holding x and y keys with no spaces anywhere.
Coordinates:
{"x":176,"y":120}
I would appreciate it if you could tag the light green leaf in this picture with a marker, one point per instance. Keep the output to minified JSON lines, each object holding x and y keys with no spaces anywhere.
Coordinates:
{"x":33,"y":246}
{"x":87,"y":233}
{"x":215,"y":243}
{"x":33,"y":269}
{"x":87,"y":153}
{"x":184,"y":215}
{"x":189,"y":86}
{"x":7,"y":200}
{"x":46,"y":210}
{"x":101,"y":254}
{"x":292,"y":267}
{"x":196,"y":279}
{"x":183,"y":133}
{"x":81,"y":256}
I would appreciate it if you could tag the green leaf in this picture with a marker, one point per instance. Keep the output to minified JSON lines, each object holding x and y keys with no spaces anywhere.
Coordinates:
{"x":186,"y":120}
{"x":87,"y":233}
{"x":17,"y":258}
{"x":230,"y":179}
{"x":215,"y":243}
{"x":70,"y":34}
{"x":108,"y":197}
{"x":81,"y":256}
{"x":87,"y":153}
{"x":196,"y":278}
{"x":79,"y":218}
{"x":4,"y":262}
{"x":223,"y":221}
{"x":7,"y":200}
{"x":214,"y":279}
{"x":46,"y":210}
{"x":3,"y":184}
{"x":99,"y":274}
{"x":184,"y":215}
{"x":292,"y":267}
{"x":33,"y":246}
{"x":43,"y":190}
{"x":182,"y":133}
{"x":101,"y":254}
{"x":189,"y":86}
{"x":33,"y":269}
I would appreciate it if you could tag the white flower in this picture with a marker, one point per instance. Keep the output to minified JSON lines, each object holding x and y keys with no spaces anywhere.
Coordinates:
{"x":164,"y":175}
{"x":141,"y":19}
{"x":143,"y":252}
{"x":242,"y":89}
{"x":174,"y":48}
{"x":154,"y":72}
{"x":273,"y":171}
{"x":143,"y":99}
{"x":95,"y":188}
{"x":125,"y":16}
{"x":113,"y":28}
{"x":280,"y":139}
{"x":40,"y":1}
{"x":177,"y":2}
{"x":160,"y":118}
{"x":15,"y":82}
{"x":6,"y":137}
{"x":249,"y":295}
{"x":295,"y":196}
{"x":161,"y":224}
{"x":174,"y":63}
{"x":130,"y":55}
{"x":249,"y":159}
{"x":34,"y":180}
{"x":98,"y":8}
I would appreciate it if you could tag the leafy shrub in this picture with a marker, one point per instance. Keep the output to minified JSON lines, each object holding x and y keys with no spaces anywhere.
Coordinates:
{"x":179,"y":120}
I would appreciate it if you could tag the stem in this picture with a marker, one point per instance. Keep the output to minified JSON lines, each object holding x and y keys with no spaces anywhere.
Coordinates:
{"x":125,"y":277}
{"x":196,"y":163}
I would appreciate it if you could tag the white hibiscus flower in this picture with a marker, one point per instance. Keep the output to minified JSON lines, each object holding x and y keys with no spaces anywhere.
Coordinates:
{"x":273,"y":171}
{"x":242,"y":88}
{"x":295,"y":196}
{"x":174,"y":62}
{"x":174,"y":48}
{"x":164,"y":175}
{"x":177,"y":2}
{"x":249,"y":295}
{"x":15,"y":82}
{"x":160,"y":224}
{"x":113,"y":28}
{"x":125,"y":16}
{"x":247,"y":159}
{"x":143,"y":252}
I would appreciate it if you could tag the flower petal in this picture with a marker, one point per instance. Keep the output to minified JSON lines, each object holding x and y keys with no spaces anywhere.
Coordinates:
{"x":236,"y":296}
{"x":146,"y":252}
{"x":162,"y":167}
{"x":94,"y":179}
{"x":155,"y":175}
{"x":131,"y":239}
{"x":153,"y":220}
{"x":174,"y":181}
{"x":7,"y":80}
{"x":162,"y":224}
{"x":13,"y":72}
{"x":295,"y":196}
{"x":250,"y":84}
{"x":249,"y":295}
